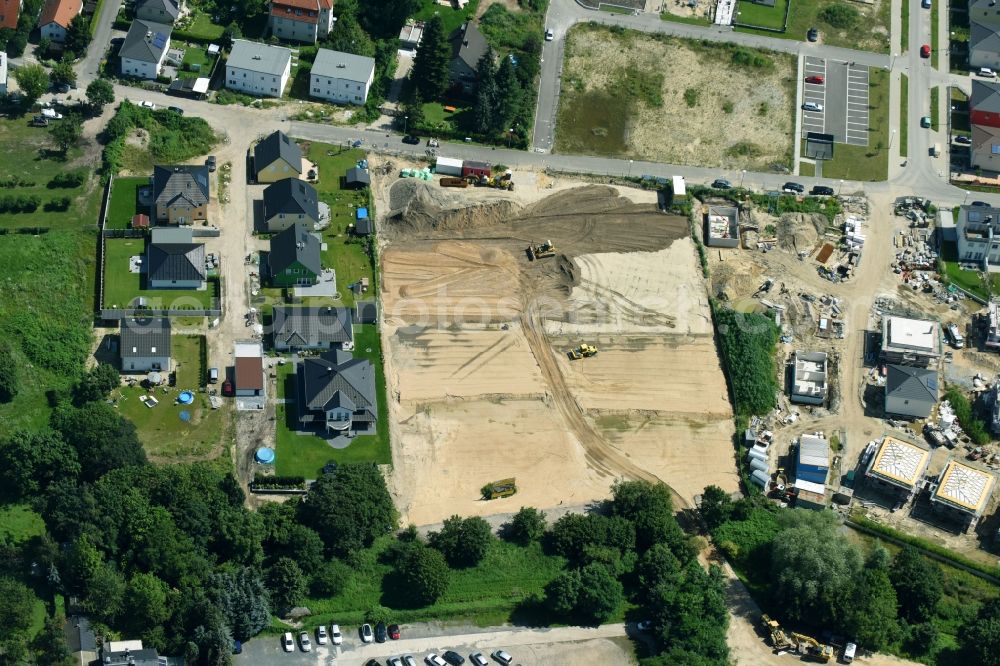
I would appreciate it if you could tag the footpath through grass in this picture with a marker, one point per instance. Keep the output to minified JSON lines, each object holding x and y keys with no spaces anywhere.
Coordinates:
{"x":871,"y":162}
{"x":904,"y":102}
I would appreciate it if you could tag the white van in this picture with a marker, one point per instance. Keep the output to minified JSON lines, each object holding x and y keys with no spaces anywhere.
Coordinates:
{"x":849,"y":650}
{"x":988,"y":73}
{"x":957,"y":341}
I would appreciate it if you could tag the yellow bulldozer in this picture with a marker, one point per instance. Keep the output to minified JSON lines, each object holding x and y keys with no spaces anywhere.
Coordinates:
{"x":780,"y":641}
{"x":546,"y":249}
{"x":583,"y":351}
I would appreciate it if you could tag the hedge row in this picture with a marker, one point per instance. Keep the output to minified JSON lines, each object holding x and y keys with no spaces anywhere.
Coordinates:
{"x":278,"y":482}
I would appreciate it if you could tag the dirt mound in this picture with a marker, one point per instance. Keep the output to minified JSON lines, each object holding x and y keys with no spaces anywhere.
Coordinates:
{"x":417,"y":207}
{"x":799,"y":232}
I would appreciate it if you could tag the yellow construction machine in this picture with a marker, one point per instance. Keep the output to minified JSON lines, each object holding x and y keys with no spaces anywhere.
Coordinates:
{"x":779,"y":639}
{"x":546,"y":249}
{"x":812,"y":649}
{"x":583,"y":351}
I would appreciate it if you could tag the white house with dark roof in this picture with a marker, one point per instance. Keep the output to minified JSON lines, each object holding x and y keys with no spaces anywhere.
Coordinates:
{"x":910,"y":391}
{"x":180,"y":194}
{"x":276,"y":157}
{"x":158,"y":11}
{"x":258,"y":69}
{"x":290,"y":201}
{"x":175,"y":261}
{"x":144,"y":49}
{"x":343,"y":78}
{"x":468,"y":45}
{"x":337,"y":393}
{"x":144,"y":344}
{"x":300,"y":328}
{"x":984,"y":40}
{"x":978,"y":233}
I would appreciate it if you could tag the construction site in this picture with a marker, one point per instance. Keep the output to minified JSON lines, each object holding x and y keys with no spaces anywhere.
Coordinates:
{"x":556,"y":336}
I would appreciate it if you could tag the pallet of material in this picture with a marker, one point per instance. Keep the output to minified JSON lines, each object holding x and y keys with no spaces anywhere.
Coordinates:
{"x":454,"y":182}
{"x":824,"y":254}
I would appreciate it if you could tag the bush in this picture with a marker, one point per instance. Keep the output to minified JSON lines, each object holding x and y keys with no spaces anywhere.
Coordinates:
{"x":973,"y":426}
{"x":279,"y":482}
{"x":839,"y":16}
{"x":747,"y":342}
{"x":751,"y":59}
{"x":691,"y":97}
{"x":68,"y":179}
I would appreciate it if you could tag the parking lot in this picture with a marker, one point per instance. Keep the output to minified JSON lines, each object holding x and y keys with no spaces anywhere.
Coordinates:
{"x":843,"y":96}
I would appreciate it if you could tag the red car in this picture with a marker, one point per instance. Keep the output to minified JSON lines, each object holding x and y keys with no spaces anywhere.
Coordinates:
{"x":814,"y":79}
{"x":394,"y":632}
{"x":925,"y":51}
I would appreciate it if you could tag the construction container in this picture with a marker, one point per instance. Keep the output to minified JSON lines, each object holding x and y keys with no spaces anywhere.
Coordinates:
{"x":452,"y":181}
{"x":448,"y":166}
{"x":757,"y":463}
{"x":474,"y":168}
{"x":756,"y":454}
{"x":760,"y":478}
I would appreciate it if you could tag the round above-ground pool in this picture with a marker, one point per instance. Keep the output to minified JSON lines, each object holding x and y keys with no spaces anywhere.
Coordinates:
{"x":185,"y":398}
{"x":264,"y":455}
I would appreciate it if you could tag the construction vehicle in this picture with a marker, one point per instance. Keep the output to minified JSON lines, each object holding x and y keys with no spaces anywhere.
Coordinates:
{"x":812,"y":649}
{"x":546,"y":249}
{"x":779,"y":639}
{"x":583,"y":351}
{"x":498,"y":489}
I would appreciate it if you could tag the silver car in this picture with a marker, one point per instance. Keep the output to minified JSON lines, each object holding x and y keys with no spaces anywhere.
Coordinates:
{"x":503,"y":657}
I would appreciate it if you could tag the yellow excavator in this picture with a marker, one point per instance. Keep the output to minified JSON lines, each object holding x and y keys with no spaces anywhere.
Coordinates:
{"x":812,"y":649}
{"x":780,"y":641}
{"x":583,"y":351}
{"x":546,"y":249}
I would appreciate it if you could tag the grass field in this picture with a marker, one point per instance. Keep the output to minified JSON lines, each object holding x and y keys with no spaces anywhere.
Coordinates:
{"x":121,"y":286}
{"x":959,"y":109}
{"x":904,"y":41}
{"x":869,"y":32}
{"x":485,"y":595}
{"x":935,"y":94}
{"x":807,"y":169}
{"x":934,"y":34}
{"x":452,"y":18}
{"x":202,"y":26}
{"x":125,"y":201}
{"x":904,"y":101}
{"x":298,"y":454}
{"x":871,"y":162}
{"x":18,"y":523}
{"x":164,"y":435}
{"x":196,"y":63}
{"x":749,"y":13}
{"x":691,"y":20}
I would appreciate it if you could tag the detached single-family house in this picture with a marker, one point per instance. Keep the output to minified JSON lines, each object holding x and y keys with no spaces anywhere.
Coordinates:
{"x":343,"y":78}
{"x":56,"y":17}
{"x":144,"y":344}
{"x":277,"y":157}
{"x":910,"y":391}
{"x":978,"y":233}
{"x":258,"y":69}
{"x":301,"y":20}
{"x":248,"y":373}
{"x":984,"y":34}
{"x":129,"y":653}
{"x":144,"y":49}
{"x":10,"y":11}
{"x":175,"y":261}
{"x":294,"y":258}
{"x":296,"y":329}
{"x":984,"y":116}
{"x":290,"y":201}
{"x":338,"y":393}
{"x":158,"y":11}
{"x":180,"y":194}
{"x":467,"y":46}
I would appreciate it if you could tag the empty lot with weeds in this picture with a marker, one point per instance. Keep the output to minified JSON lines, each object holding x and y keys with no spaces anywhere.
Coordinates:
{"x":672,"y":100}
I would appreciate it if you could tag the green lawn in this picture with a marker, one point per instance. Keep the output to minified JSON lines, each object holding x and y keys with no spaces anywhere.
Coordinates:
{"x":904,"y":101}
{"x":959,"y":109}
{"x":692,"y":20}
{"x":935,"y":93}
{"x":970,"y":281}
{"x":871,"y":162}
{"x":870,"y":32}
{"x":125,"y":201}
{"x":807,"y":169}
{"x":934,"y":35}
{"x":299,"y":454}
{"x":486,"y":594}
{"x":29,"y":157}
{"x":121,"y":286}
{"x":196,"y":62}
{"x":162,"y":432}
{"x":202,"y":27}
{"x":19,"y":523}
{"x":452,"y":18}
{"x":749,"y":13}
{"x":904,"y":42}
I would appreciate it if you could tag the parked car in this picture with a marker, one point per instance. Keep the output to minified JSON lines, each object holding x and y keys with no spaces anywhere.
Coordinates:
{"x":287,"y":642}
{"x":821,"y":190}
{"x":411,"y":139}
{"x":304,"y":641}
{"x":51,"y":114}
{"x":478,"y":659}
{"x":453,"y":658}
{"x":963,"y":140}
{"x":374,"y":662}
{"x":925,"y":122}
{"x":237,"y":647}
{"x":926,"y":4}
{"x":409,"y":660}
{"x":549,"y":35}
{"x":366,"y":633}
{"x":335,"y":636}
{"x":321,"y":635}
{"x":39,"y":121}
{"x":394,"y":632}
{"x":433,"y":660}
{"x":987,"y":73}
{"x":925,"y":51}
{"x":61,"y":88}
{"x":721,"y":184}
{"x":790,"y":186}
{"x":210,"y":163}
{"x":645,"y":625}
{"x":503,"y":657}
{"x":147,"y":104}
{"x":395,"y":661}
{"x":176,"y":109}
{"x":818,"y":80}
{"x":380,"y":633}
{"x":979,"y":203}
{"x":812,"y":106}
{"x":812,"y":35}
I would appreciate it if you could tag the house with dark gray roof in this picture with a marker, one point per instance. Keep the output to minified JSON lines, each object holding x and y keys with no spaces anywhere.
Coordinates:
{"x":180,"y":194}
{"x":984,"y":40}
{"x":144,"y":344}
{"x":467,"y":46}
{"x":910,"y":391}
{"x":366,"y":312}
{"x":294,"y":259}
{"x":175,"y":261}
{"x":159,"y":11}
{"x":290,"y":201}
{"x":357,"y":179}
{"x":299,"y":328}
{"x":337,"y":393}
{"x":277,"y":157}
{"x":144,"y":49}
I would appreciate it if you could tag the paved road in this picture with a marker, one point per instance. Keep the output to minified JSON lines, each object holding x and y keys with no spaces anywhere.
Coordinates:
{"x":88,"y":68}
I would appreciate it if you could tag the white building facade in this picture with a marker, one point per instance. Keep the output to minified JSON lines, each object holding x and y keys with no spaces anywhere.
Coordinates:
{"x":258,"y":69}
{"x":342,"y":78}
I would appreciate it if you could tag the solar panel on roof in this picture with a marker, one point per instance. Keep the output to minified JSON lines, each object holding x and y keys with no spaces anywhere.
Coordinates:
{"x":159,"y":40}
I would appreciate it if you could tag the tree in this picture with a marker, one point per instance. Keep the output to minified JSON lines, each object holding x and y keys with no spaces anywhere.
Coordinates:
{"x":600,"y":594}
{"x":509,"y":97}
{"x":44,"y":47}
{"x":423,"y":574}
{"x":286,"y":584}
{"x":66,"y":133}
{"x":63,"y":72}
{"x":690,"y":613}
{"x":305,"y":547}
{"x":384,"y":19}
{"x":573,"y":534}
{"x":243,"y":600}
{"x":527,"y":525}
{"x":34,"y":460}
{"x":78,"y":35}
{"x":813,"y":567}
{"x":716,"y":506}
{"x":918,"y":584}
{"x":350,"y":37}
{"x":16,"y":44}
{"x":657,"y":566}
{"x":562,"y":593}
{"x":50,"y":645}
{"x":9,"y":381}
{"x":103,"y":439}
{"x":349,"y":508}
{"x":463,"y":541}
{"x":413,"y":115}
{"x":146,"y":602}
{"x":487,"y":94}
{"x":980,"y":637}
{"x":33,"y":82}
{"x":100,"y":93}
{"x":16,"y":606}
{"x":97,"y":383}
{"x":105,"y":593}
{"x":331,"y":579}
{"x":431,"y":64}
{"x":650,"y":508}
{"x":871,"y":615}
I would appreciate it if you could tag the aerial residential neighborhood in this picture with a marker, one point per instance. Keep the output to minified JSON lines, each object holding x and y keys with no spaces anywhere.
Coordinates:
{"x":455,"y":332}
